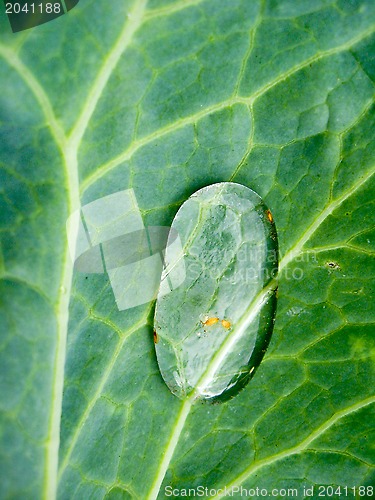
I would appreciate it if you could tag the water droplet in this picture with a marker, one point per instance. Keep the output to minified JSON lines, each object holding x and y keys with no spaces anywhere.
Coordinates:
{"x":229,"y":292}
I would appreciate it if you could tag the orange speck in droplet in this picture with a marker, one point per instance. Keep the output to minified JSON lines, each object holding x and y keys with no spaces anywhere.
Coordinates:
{"x":156,"y":337}
{"x":210,"y":321}
{"x":269,"y":215}
{"x":226,"y":324}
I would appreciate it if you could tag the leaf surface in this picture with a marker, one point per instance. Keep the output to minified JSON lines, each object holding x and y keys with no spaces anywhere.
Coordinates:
{"x":166,"y":97}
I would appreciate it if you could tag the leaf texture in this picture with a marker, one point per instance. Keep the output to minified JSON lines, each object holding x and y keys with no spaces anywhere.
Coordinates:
{"x":165,"y":97}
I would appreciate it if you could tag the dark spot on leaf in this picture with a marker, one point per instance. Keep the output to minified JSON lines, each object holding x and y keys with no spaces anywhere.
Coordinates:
{"x":333,"y":265}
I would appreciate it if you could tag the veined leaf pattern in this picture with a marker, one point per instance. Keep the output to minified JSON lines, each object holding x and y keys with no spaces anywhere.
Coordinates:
{"x":165,"y":97}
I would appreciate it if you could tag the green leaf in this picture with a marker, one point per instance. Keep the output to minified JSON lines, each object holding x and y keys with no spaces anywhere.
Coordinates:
{"x":166,"y":97}
{"x":216,"y":303}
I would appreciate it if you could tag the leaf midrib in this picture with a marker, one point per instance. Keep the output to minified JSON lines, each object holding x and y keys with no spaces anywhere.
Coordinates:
{"x":69,"y":149}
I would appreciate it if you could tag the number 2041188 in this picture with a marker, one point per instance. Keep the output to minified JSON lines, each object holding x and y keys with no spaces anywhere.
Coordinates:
{"x":33,"y":8}
{"x":346,"y":491}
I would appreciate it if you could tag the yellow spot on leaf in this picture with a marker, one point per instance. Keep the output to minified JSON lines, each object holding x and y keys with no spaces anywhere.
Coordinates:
{"x":210,"y":321}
